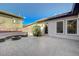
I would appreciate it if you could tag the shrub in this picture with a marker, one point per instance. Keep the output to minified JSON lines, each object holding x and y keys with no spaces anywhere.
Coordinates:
{"x":16,"y":37}
{"x":36,"y":30}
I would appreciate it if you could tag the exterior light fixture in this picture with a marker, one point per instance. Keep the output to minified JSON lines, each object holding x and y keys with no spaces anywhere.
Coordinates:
{"x":14,"y":21}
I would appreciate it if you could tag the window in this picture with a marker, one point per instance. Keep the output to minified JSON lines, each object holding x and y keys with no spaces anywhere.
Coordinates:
{"x":60,"y":27}
{"x":72,"y":26}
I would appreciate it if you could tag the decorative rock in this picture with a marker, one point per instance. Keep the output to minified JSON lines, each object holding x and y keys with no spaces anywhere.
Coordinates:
{"x":16,"y":37}
{"x":2,"y":40}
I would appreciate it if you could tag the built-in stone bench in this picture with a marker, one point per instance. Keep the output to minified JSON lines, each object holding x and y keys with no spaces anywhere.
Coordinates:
{"x":11,"y":35}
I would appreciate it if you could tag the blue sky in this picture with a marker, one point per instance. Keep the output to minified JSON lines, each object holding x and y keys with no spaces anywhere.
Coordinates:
{"x":35,"y":11}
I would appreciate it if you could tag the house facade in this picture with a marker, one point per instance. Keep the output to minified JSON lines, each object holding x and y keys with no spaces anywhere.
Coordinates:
{"x":65,"y":25}
{"x":10,"y":22}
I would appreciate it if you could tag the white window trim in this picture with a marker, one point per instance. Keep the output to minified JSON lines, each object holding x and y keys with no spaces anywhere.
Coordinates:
{"x":63,"y":27}
{"x":77,"y":26}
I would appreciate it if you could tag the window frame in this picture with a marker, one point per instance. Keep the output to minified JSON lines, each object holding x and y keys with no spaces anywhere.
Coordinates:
{"x":76,"y":25}
{"x":63,"y":26}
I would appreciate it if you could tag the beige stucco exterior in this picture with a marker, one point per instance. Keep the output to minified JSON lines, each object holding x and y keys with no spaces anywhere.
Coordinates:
{"x":10,"y":23}
{"x":28,"y":29}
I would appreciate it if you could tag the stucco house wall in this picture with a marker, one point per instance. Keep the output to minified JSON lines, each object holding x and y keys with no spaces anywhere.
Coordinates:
{"x":28,"y":29}
{"x":52,"y":28}
{"x":9,"y":23}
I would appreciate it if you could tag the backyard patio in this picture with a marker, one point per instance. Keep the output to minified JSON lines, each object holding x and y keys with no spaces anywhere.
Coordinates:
{"x":39,"y":46}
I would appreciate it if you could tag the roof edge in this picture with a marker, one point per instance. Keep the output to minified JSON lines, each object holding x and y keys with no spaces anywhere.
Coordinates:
{"x":10,"y":14}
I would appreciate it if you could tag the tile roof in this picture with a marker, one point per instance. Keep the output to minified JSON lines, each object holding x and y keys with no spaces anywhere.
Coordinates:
{"x":10,"y":14}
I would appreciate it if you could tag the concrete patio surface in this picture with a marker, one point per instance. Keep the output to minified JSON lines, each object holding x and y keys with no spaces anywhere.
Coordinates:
{"x":39,"y":46}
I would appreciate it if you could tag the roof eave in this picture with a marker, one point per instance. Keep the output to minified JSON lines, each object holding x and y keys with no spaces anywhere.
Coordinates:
{"x":9,"y":14}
